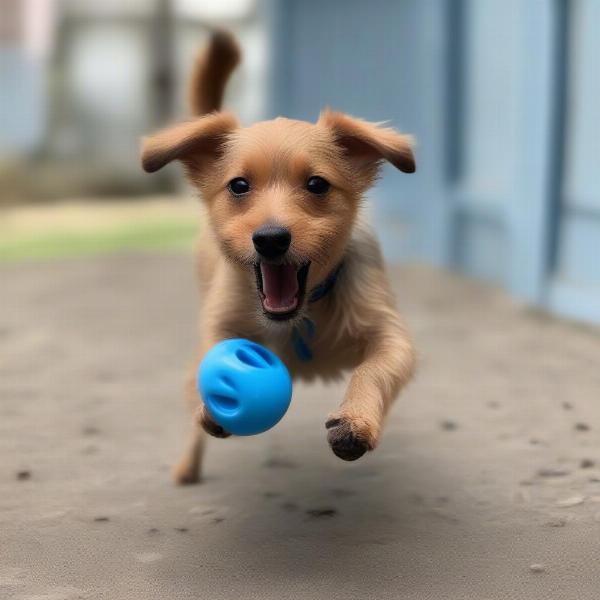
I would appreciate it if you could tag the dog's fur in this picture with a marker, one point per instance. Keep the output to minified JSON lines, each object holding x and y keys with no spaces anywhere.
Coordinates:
{"x":357,"y":326}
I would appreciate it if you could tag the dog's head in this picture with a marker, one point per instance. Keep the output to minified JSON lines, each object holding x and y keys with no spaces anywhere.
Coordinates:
{"x":282,"y":195}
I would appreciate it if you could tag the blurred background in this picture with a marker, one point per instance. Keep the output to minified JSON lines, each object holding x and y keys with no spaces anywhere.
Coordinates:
{"x":502,"y":96}
{"x":499,"y":227}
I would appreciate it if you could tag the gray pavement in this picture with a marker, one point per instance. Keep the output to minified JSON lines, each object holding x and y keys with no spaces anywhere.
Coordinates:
{"x":486,"y":484}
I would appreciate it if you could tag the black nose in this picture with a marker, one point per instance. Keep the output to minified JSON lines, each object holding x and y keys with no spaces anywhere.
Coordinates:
{"x":272,"y":241}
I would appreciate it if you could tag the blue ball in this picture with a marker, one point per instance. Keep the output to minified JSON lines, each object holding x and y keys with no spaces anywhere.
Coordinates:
{"x":245,"y":387}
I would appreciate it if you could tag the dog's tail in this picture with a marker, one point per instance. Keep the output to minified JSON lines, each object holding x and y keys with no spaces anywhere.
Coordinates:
{"x":211,"y":71}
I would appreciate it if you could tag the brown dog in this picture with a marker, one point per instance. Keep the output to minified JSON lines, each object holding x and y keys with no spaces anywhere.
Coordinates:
{"x":290,"y":262}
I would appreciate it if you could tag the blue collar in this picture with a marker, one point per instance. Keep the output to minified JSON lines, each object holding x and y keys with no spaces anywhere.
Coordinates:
{"x":304,"y":332}
{"x":326,"y":285}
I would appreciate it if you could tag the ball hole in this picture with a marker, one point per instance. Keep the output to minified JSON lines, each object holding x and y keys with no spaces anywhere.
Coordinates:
{"x":262,"y":352}
{"x":227,"y":382}
{"x":224,"y":403}
{"x":251,"y":358}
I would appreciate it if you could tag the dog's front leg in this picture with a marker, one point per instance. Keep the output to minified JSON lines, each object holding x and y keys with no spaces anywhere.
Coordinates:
{"x":188,"y":469}
{"x":387,"y":365}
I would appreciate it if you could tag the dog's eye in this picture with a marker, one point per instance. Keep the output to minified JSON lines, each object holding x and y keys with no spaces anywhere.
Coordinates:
{"x":317,"y":185}
{"x":239,"y":186}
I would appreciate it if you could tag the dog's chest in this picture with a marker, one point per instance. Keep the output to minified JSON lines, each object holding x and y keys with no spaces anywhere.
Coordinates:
{"x":316,"y":354}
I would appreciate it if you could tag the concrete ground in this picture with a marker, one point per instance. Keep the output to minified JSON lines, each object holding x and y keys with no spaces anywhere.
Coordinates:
{"x":486,"y":484}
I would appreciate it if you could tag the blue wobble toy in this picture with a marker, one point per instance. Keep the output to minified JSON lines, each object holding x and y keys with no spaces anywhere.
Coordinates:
{"x":245,"y":387}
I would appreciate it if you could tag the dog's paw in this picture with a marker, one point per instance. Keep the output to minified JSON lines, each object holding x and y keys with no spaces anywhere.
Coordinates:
{"x":207,"y":423}
{"x":186,"y":473}
{"x":349,"y":437}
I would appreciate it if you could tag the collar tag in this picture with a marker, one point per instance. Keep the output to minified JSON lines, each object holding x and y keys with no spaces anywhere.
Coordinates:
{"x":301,"y":339}
{"x":304,"y":333}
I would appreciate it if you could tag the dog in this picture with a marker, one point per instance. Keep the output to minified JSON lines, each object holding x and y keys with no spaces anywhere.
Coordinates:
{"x":289,"y":259}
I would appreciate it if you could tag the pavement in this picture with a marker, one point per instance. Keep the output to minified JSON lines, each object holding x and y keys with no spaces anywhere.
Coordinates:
{"x":486,"y":484}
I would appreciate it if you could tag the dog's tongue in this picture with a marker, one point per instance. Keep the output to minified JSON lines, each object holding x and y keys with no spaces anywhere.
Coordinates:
{"x":280,"y":287}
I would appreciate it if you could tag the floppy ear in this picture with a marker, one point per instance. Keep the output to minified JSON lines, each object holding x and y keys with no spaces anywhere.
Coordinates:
{"x":366,"y":144}
{"x":192,"y":141}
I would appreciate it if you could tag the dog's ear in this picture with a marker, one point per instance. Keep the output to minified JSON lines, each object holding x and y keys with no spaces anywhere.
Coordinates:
{"x":193,"y":142}
{"x":367,"y":144}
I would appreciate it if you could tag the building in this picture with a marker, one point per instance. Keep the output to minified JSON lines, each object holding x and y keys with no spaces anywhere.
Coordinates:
{"x":502,"y":96}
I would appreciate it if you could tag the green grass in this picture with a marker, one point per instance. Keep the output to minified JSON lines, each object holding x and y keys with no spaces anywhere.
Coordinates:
{"x":174,"y":234}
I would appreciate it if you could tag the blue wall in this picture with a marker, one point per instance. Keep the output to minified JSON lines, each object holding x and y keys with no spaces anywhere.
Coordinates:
{"x":503,"y":97}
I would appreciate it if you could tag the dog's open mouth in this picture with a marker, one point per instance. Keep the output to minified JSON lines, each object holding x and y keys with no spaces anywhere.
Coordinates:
{"x":280,"y":288}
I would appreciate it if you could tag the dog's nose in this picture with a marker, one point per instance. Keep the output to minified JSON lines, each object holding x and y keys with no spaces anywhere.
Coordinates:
{"x":272,"y":241}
